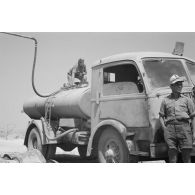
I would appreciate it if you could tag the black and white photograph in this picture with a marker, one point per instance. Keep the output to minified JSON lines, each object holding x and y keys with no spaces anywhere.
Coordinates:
{"x":97,"y":97}
{"x":86,"y":84}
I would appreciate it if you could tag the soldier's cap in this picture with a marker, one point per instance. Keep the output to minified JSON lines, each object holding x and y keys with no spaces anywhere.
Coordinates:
{"x":175,"y":78}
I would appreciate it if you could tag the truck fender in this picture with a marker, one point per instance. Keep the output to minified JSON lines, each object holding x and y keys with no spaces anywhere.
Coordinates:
{"x":100,"y":127}
{"x":39,"y":125}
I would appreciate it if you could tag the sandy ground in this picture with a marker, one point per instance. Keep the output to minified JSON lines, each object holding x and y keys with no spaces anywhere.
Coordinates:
{"x":13,"y":145}
{"x":16,"y":145}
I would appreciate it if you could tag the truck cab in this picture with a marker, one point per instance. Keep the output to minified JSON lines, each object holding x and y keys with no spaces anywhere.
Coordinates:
{"x":126,"y":94}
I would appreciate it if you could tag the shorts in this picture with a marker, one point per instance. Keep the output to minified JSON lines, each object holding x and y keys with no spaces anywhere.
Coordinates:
{"x":179,"y":136}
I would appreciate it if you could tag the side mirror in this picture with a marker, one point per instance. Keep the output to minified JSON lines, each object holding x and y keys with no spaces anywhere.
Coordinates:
{"x":179,"y":49}
{"x":193,"y":91}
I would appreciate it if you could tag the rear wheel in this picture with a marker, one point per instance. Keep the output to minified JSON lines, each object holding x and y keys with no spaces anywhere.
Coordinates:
{"x":49,"y":151}
{"x":82,"y":151}
{"x":112,"y":148}
{"x":34,"y":142}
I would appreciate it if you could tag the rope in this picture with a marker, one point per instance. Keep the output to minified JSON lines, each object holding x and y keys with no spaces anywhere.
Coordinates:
{"x":48,"y":105}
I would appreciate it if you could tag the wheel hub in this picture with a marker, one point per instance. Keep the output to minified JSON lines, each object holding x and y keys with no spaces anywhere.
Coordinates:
{"x":112,"y":154}
{"x":34,"y":143}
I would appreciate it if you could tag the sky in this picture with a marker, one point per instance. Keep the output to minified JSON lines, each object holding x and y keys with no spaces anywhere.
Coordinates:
{"x":57,"y":53}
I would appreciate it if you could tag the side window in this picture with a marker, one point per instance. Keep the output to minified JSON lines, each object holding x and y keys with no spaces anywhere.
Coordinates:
{"x":191,"y":68}
{"x":121,"y":79}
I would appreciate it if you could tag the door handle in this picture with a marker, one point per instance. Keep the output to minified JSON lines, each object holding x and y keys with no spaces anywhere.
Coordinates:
{"x":97,"y":97}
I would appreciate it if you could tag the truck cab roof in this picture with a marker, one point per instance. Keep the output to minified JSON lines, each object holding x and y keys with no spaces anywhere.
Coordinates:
{"x":137,"y":56}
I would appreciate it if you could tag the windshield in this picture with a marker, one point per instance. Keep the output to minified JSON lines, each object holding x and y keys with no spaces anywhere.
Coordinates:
{"x":159,"y":71}
{"x":191,"y":68}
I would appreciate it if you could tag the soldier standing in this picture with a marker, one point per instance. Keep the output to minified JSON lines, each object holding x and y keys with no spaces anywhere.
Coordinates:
{"x":176,"y":113}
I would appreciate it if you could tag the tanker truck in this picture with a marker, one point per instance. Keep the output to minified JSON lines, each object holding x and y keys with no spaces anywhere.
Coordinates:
{"x":116,"y":118}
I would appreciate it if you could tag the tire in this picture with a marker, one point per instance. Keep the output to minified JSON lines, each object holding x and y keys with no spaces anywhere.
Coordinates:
{"x":82,"y":151}
{"x":112,"y":148}
{"x":49,"y":151}
{"x":34,"y":142}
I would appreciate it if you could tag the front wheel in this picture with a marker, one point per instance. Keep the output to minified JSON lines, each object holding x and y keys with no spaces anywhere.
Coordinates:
{"x":34,"y":142}
{"x":112,"y":148}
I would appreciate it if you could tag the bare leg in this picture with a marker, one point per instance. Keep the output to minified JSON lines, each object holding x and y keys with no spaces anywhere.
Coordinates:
{"x":186,"y":155}
{"x":69,"y":78}
{"x":172,"y":155}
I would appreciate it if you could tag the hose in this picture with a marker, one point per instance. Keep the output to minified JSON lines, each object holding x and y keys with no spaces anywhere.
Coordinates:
{"x":34,"y":63}
{"x":57,"y":137}
{"x":34,"y":88}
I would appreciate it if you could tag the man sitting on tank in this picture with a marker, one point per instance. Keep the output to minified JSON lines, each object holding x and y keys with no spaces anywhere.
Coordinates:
{"x":78,"y":71}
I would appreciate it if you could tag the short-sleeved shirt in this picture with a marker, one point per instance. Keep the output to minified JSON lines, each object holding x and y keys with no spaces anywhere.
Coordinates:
{"x":181,"y":108}
{"x":78,"y":69}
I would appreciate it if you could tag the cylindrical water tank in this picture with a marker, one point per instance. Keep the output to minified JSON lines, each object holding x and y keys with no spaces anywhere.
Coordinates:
{"x":70,"y":103}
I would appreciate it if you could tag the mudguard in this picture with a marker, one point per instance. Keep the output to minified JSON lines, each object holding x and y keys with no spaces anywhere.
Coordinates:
{"x":113,"y":123}
{"x":39,"y":125}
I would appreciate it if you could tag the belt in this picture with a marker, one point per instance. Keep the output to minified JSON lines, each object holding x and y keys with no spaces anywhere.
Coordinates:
{"x":177,"y":122}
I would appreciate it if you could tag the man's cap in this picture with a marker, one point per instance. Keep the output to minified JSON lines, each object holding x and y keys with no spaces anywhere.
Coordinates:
{"x":175,"y":78}
{"x":81,"y":60}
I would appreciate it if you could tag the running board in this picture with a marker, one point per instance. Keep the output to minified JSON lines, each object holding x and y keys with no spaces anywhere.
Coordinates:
{"x":139,"y":153}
